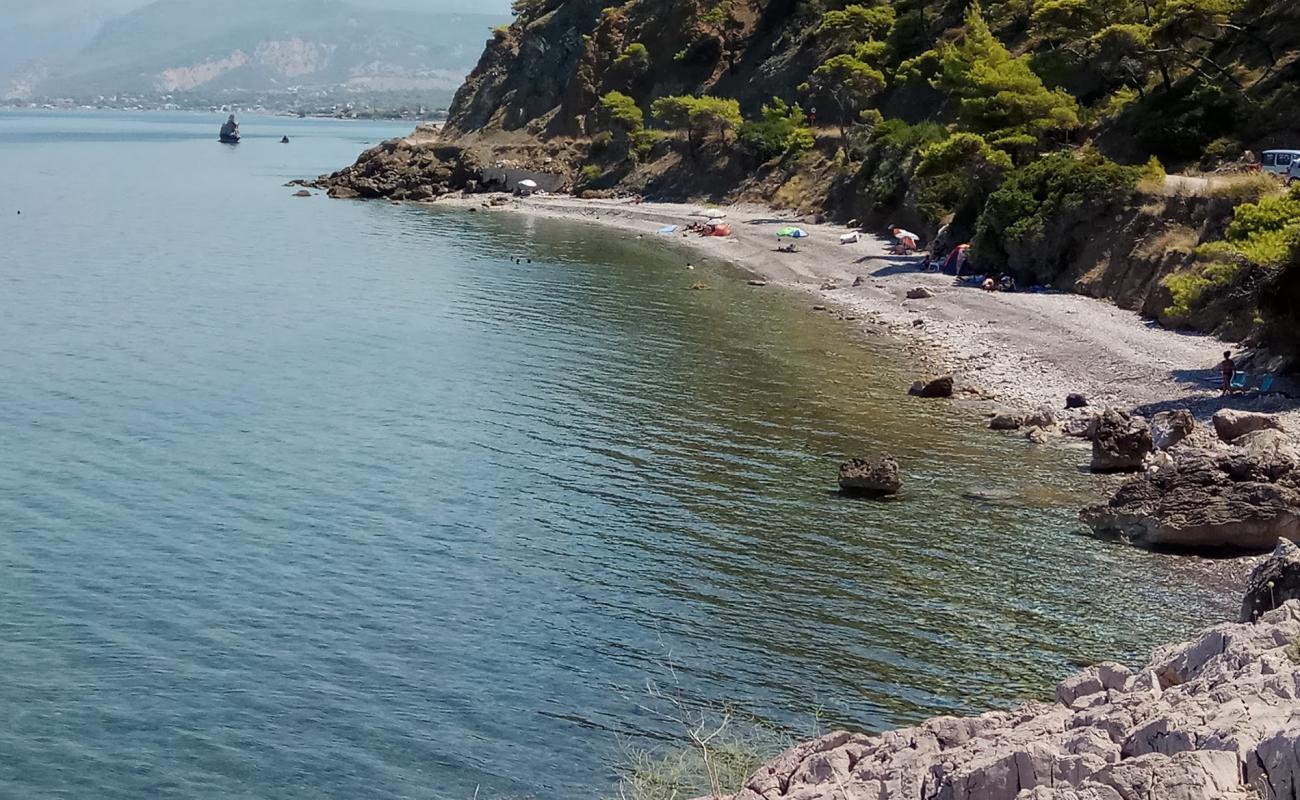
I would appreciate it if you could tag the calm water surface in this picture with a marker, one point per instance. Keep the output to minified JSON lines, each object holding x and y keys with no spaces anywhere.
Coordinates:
{"x":313,"y":499}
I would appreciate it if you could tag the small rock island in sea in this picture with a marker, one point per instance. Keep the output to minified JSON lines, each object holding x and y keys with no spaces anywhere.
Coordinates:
{"x":230,"y":131}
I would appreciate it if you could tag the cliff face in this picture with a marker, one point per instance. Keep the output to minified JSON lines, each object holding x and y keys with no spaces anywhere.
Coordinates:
{"x":526,"y":71}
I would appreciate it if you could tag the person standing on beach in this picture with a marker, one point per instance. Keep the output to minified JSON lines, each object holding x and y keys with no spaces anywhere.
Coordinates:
{"x":1228,"y":367}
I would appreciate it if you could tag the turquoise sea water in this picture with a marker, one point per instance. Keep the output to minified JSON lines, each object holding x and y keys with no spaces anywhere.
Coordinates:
{"x":312,"y":499}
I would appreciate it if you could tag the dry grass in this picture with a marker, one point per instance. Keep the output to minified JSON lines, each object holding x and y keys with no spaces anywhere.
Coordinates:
{"x":794,"y":193}
{"x":1248,"y":187}
{"x":1175,"y":238}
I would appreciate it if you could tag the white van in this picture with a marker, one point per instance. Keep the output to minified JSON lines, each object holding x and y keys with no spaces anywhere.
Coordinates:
{"x":1279,"y":162}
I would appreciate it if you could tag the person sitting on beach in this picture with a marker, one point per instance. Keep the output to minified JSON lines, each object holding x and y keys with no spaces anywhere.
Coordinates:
{"x":906,"y":241}
{"x":989,"y":285}
{"x":1007,"y":283}
{"x":1229,"y":368}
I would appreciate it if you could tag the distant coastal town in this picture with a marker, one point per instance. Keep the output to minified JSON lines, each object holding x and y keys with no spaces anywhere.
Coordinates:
{"x":381,"y":105}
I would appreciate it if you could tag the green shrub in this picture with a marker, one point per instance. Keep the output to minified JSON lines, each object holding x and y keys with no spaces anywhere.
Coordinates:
{"x":1220,"y":151}
{"x":781,"y":131}
{"x":590,"y":174}
{"x":1262,"y":231}
{"x":1192,"y":288}
{"x":956,"y":175}
{"x":602,"y":141}
{"x":634,"y":57}
{"x":888,"y":152}
{"x":622,"y":112}
{"x":1046,"y":210}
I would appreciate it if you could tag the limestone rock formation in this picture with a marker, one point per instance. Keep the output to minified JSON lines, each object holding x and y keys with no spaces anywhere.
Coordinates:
{"x":1042,"y":417}
{"x":1119,"y":442}
{"x":1275,"y":581}
{"x":1168,"y":428}
{"x":404,"y":169}
{"x":1230,"y":424}
{"x":871,"y":476}
{"x":1210,"y":501}
{"x":1212,"y":719}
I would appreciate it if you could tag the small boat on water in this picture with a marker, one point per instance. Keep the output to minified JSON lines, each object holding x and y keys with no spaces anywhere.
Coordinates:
{"x":230,"y":131}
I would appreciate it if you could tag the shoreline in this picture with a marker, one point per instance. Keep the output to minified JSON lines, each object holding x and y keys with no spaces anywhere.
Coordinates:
{"x":1020,"y":350}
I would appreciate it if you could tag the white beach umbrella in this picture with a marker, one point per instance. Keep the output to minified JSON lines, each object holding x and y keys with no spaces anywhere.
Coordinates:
{"x":528,"y":183}
{"x":716,"y":213}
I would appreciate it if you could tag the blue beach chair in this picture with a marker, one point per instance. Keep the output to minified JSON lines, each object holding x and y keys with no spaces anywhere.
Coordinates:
{"x":1266,"y":385}
{"x":1238,"y":381}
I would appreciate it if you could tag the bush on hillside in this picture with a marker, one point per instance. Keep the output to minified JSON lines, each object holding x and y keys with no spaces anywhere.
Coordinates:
{"x":635,"y":57}
{"x":956,"y":176}
{"x":781,"y":132}
{"x":1034,"y":224}
{"x":888,"y":152}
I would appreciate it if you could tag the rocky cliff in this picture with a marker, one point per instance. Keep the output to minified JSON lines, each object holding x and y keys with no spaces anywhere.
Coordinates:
{"x":1216,"y":718}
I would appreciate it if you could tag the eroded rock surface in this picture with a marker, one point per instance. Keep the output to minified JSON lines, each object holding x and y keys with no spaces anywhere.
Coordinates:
{"x":1119,"y":442}
{"x":1241,"y":499}
{"x":1217,"y":718}
{"x":873,"y":476}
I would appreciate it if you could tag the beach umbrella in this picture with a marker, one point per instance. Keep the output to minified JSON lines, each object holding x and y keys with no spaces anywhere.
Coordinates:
{"x":712,"y":213}
{"x":528,"y":183}
{"x":793,"y":233}
{"x":714,"y":221}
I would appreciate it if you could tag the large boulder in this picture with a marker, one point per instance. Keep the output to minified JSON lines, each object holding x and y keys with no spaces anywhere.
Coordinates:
{"x":1006,"y":420}
{"x":1272,"y":583}
{"x":1168,"y":428}
{"x":1209,"y":501}
{"x":1230,"y":424}
{"x":1041,"y":417}
{"x":871,"y":476}
{"x":1120,"y":443}
{"x":939,"y":387}
{"x":1211,"y":719}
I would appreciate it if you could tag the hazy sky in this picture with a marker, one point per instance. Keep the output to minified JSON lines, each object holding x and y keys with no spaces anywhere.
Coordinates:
{"x":34,"y":9}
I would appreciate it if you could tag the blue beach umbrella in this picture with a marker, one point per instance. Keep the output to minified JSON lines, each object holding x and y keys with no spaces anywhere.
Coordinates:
{"x":793,"y":233}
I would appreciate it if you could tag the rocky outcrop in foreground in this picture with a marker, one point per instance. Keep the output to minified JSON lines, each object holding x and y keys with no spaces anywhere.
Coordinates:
{"x":1217,"y":718}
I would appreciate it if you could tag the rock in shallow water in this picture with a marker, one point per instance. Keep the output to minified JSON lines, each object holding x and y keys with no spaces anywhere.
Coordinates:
{"x":939,"y":387}
{"x":871,"y":476}
{"x":1210,"y":501}
{"x":1119,"y":442}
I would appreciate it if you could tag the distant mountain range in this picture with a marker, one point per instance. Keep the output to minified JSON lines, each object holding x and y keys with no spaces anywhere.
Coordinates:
{"x":86,"y":48}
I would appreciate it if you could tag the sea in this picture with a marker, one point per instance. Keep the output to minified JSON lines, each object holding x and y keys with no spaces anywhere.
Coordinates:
{"x":305,"y":499}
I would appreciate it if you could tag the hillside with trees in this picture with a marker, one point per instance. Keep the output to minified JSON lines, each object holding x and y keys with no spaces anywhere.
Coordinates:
{"x":1040,"y":131}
